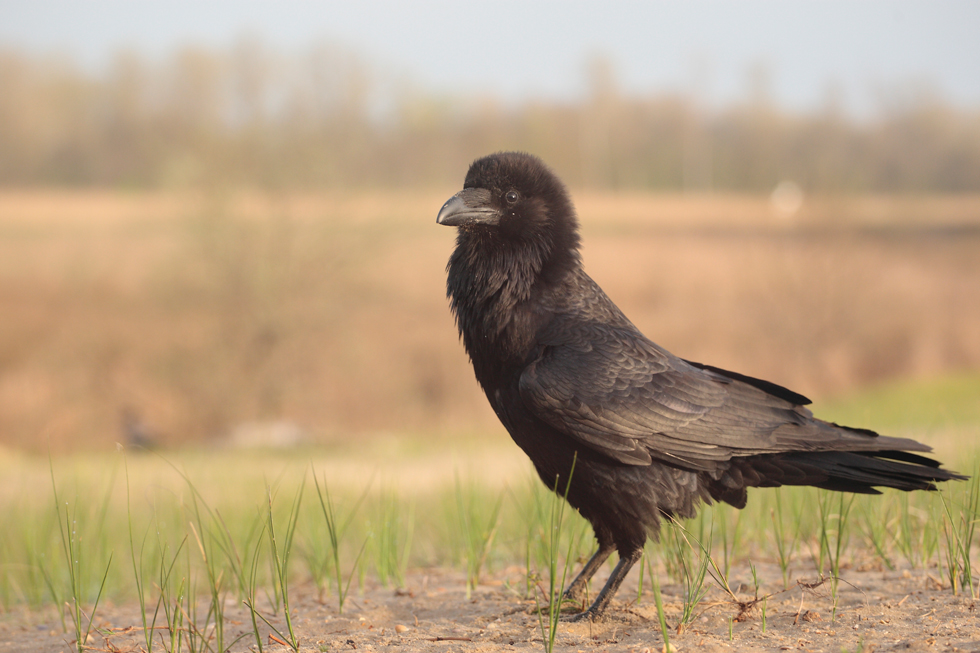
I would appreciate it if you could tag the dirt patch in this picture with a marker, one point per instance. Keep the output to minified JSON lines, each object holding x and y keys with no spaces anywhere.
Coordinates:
{"x":876,"y":610}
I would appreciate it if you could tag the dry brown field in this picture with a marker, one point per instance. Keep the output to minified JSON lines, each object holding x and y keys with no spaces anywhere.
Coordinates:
{"x":200,"y":314}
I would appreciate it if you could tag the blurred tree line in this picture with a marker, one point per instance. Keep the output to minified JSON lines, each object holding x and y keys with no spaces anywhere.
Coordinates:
{"x":325,"y":118}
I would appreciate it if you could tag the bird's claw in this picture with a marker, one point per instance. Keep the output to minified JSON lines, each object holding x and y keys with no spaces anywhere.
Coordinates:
{"x":572,"y":597}
{"x":588,"y":615}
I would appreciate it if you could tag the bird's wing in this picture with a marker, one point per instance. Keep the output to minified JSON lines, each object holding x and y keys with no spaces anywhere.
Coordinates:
{"x":619,"y":393}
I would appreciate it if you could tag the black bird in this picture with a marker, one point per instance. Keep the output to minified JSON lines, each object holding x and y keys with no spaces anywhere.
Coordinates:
{"x":574,"y":382}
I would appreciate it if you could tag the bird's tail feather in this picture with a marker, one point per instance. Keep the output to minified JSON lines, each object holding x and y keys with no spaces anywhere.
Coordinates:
{"x":861,"y":472}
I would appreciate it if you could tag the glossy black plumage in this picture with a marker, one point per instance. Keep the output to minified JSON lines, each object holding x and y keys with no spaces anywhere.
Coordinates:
{"x":571,"y":378}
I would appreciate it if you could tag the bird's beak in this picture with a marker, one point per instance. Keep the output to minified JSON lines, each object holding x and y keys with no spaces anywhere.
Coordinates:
{"x":468,"y":206}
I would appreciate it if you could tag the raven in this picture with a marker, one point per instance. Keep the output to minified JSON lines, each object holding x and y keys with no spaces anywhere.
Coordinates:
{"x":633,"y":432}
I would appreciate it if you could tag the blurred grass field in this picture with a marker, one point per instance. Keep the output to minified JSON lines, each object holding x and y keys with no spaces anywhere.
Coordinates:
{"x":192,"y":375}
{"x":408,"y":504}
{"x":203,"y":315}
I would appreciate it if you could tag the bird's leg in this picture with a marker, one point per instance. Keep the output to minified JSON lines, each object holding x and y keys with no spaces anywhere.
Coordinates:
{"x":576,"y":590}
{"x":626,"y":561}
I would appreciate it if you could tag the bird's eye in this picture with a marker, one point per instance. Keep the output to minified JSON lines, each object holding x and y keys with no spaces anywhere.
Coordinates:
{"x":512,"y":197}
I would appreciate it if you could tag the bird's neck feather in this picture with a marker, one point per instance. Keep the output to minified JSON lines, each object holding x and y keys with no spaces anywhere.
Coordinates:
{"x":493,"y":285}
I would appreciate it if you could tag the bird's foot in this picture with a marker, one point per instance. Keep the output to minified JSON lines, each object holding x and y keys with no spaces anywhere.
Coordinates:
{"x":588,"y":615}
{"x":574,"y":597}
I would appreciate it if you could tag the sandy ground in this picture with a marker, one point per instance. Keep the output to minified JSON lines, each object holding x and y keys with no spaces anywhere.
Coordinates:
{"x":877,"y":610}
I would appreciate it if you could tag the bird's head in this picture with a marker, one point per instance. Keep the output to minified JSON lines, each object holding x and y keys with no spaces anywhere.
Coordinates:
{"x":516,"y":197}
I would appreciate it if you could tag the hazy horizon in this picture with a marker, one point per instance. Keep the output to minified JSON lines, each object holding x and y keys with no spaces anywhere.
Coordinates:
{"x":802,"y":54}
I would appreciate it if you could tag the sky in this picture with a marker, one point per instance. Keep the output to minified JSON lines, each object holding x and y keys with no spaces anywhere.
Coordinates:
{"x":516,"y":51}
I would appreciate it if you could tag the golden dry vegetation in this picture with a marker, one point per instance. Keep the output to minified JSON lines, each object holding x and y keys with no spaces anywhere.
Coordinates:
{"x":202,"y":312}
